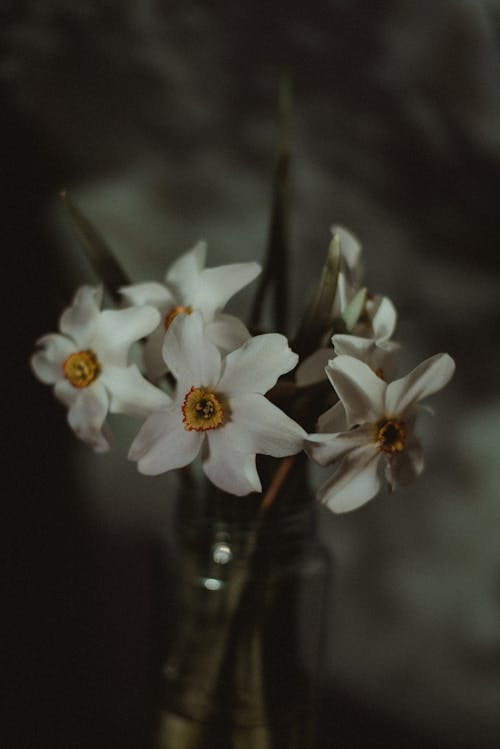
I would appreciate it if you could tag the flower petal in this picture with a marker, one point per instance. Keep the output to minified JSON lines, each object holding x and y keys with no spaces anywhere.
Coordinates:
{"x":258,"y":426}
{"x":359,"y":389}
{"x":131,"y":393}
{"x":148,"y":292}
{"x":355,"y":481}
{"x":312,"y":370}
{"x":163,"y":443}
{"x":425,"y":380}
{"x":379,"y":356}
{"x":351,"y":252}
{"x":227,"y":332}
{"x":333,"y":420}
{"x":218,"y":285}
{"x":86,"y":416}
{"x":188,"y":353}
{"x":78,"y":321}
{"x":47,"y":363}
{"x":231,"y":469}
{"x":403,"y":468}
{"x":117,"y":330}
{"x":383,"y":315}
{"x":256,"y":366}
{"x":327,"y":448}
{"x":65,"y":392}
{"x":184,"y":273}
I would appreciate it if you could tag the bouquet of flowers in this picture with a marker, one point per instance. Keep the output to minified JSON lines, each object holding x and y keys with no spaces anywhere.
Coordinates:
{"x":216,"y":392}
{"x":211,"y":388}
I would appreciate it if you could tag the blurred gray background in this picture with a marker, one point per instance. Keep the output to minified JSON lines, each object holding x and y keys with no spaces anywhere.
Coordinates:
{"x":160,"y":118}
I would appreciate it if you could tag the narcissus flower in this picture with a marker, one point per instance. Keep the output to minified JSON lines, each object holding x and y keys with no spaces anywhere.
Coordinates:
{"x":190,"y":286}
{"x":219,"y":408}
{"x":87,"y":365}
{"x":372,"y":424}
{"x":376,"y":321}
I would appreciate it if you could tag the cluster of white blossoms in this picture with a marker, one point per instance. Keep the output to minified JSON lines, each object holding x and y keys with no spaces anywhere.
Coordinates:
{"x":217,"y":406}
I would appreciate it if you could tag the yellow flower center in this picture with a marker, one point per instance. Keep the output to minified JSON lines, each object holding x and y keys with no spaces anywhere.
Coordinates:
{"x":202,"y":410}
{"x":170,"y":316}
{"x":391,"y":435}
{"x":81,"y":368}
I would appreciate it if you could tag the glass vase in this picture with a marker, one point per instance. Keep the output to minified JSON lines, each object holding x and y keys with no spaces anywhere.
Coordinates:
{"x":244,"y":668}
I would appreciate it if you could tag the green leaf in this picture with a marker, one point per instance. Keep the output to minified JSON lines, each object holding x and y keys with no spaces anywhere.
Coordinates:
{"x":319,"y":315}
{"x":104,"y":263}
{"x":276,"y":261}
{"x":354,"y":309}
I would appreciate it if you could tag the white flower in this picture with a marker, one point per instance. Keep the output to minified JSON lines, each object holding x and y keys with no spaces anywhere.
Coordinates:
{"x":220,"y":406}
{"x":376,"y":323}
{"x":87,"y":365}
{"x":373,"y":420}
{"x":190,"y":286}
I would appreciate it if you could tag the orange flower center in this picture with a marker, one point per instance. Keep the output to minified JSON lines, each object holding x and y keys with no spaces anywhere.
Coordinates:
{"x":391,"y":435}
{"x":81,"y":368}
{"x":202,"y":410}
{"x":170,"y":316}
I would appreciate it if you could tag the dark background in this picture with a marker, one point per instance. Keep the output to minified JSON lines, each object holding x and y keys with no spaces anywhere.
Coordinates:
{"x":160,"y":117}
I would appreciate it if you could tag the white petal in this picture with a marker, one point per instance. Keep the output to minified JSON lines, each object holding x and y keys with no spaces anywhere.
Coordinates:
{"x":333,"y":420}
{"x":148,"y":292}
{"x":403,"y":468}
{"x":359,"y":389}
{"x":355,"y":482}
{"x":184,"y":273}
{"x":218,"y":285}
{"x":383,"y":317}
{"x":258,"y":426}
{"x":116,"y":330}
{"x":312,"y":370}
{"x":227,"y":332}
{"x":86,"y":416}
{"x":132,"y":394}
{"x":379,"y":356}
{"x":47,"y":363}
{"x":231,"y":469}
{"x":66,"y":392}
{"x":163,"y":443}
{"x":256,"y":366}
{"x":78,"y":320}
{"x":425,"y":380}
{"x":351,"y":251}
{"x":327,"y":448}
{"x":190,"y":356}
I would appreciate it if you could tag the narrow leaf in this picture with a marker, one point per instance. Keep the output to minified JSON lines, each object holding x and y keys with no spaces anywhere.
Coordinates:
{"x":104,"y":263}
{"x":275,"y":271}
{"x":319,"y":315}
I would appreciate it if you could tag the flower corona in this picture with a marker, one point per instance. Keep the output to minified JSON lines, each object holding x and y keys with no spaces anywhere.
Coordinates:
{"x":390,"y":434}
{"x":81,"y":368}
{"x":202,"y":410}
{"x":170,"y":316}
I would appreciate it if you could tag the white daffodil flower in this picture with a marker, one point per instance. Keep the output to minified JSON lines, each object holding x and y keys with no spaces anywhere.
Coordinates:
{"x":376,"y":323}
{"x":87,"y":365}
{"x":372,"y":422}
{"x":190,"y":286}
{"x":219,"y":406}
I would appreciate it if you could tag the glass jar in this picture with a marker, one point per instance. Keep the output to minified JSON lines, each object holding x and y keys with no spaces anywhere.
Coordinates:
{"x":245,"y":665}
